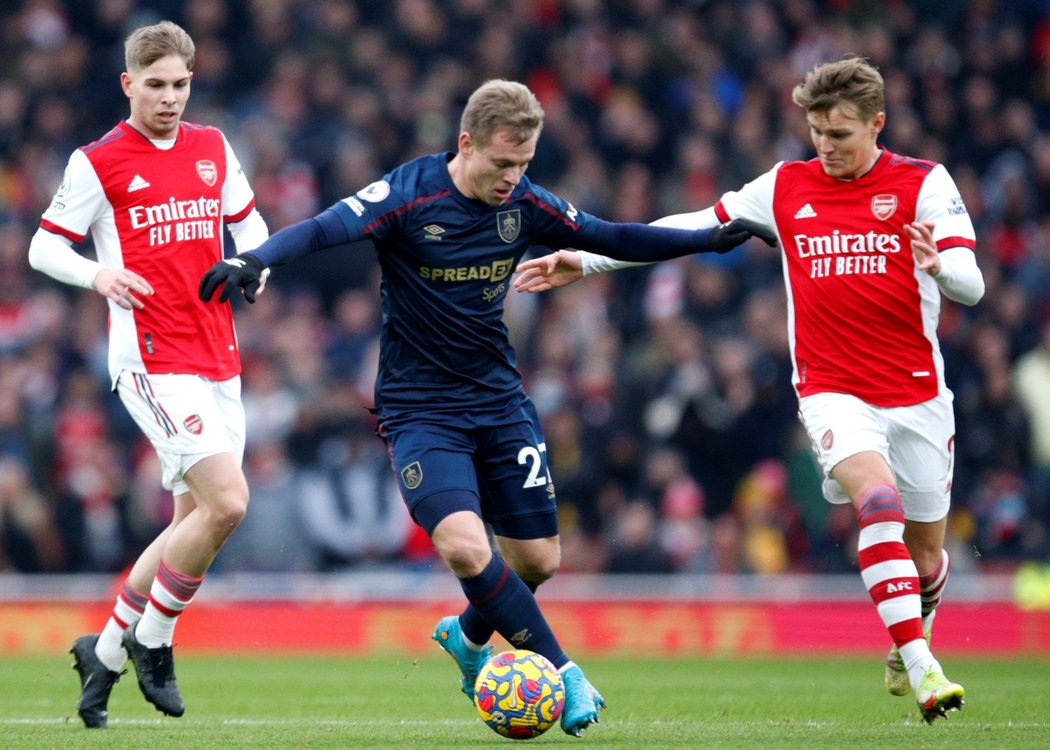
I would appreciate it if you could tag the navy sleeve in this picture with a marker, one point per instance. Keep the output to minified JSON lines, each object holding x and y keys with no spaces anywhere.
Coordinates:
{"x":640,"y":242}
{"x":559,"y":224}
{"x":316,"y":233}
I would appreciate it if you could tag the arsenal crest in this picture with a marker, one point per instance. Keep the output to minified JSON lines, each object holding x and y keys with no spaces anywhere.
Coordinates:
{"x":508,"y":224}
{"x":206,"y":171}
{"x":194,"y":424}
{"x":412,"y":475}
{"x":884,"y":206}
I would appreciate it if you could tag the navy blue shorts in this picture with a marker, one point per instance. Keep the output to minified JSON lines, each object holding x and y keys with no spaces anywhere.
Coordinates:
{"x":494,"y":467}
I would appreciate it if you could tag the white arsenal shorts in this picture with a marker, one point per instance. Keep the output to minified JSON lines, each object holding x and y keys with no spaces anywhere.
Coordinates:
{"x":917,"y":442}
{"x":186,"y":417}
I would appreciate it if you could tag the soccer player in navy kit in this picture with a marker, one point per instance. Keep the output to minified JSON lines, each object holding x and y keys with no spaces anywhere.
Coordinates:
{"x":465,"y":440}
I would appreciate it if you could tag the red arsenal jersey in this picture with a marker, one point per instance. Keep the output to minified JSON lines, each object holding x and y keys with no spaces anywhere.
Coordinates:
{"x":862,"y":318}
{"x":159,"y":213}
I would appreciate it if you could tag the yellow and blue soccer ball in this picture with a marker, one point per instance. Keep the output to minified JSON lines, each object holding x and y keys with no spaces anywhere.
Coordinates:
{"x":519,"y":694}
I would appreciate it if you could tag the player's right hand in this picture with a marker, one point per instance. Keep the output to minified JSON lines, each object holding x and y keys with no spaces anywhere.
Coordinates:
{"x":244,"y":271}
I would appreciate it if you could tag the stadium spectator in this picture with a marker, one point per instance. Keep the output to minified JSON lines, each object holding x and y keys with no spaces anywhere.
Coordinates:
{"x":154,"y":192}
{"x":29,"y":538}
{"x":1030,"y":375}
{"x":349,"y":505}
{"x":635,"y":546}
{"x":870,"y":242}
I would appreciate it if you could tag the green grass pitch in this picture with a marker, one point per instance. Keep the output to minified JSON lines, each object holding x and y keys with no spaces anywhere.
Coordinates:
{"x":311,"y":701}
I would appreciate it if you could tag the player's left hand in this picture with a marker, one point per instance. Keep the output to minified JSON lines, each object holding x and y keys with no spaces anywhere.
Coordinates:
{"x":725,"y":237}
{"x":244,"y":271}
{"x":550,"y":271}
{"x":923,"y":246}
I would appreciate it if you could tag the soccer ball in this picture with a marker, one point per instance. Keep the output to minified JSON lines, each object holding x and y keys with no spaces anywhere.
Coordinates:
{"x":519,"y":694}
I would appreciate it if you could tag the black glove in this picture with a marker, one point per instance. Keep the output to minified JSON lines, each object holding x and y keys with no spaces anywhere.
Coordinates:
{"x":725,"y":237}
{"x":244,"y":271}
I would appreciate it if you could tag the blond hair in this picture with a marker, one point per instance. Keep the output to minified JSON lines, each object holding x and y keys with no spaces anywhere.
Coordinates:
{"x":502,"y":105}
{"x":148,"y":44}
{"x":852,"y":81}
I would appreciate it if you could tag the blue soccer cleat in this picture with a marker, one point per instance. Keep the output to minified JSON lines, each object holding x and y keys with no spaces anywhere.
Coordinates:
{"x":449,"y":635}
{"x":582,"y":702}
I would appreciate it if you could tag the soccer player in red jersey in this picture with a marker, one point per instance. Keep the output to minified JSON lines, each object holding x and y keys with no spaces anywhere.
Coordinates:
{"x":154,"y":193}
{"x":870,"y":241}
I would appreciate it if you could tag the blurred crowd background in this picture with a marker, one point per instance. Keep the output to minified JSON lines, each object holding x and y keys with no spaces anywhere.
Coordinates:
{"x":665,"y":391}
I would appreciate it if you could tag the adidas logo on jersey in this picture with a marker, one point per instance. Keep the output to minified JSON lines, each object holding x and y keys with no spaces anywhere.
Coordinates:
{"x":806,"y":212}
{"x":137,"y":183}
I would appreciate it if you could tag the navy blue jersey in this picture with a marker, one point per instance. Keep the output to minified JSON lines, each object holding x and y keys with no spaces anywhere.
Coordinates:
{"x":447,"y":262}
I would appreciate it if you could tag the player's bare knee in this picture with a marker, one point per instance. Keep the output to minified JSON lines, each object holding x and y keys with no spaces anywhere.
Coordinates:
{"x":228,"y":512}
{"x":925,"y":557}
{"x":538,"y":571}
{"x":466,"y":560}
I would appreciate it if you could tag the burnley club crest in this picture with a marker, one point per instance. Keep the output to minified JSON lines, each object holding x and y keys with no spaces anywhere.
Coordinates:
{"x":508,"y":224}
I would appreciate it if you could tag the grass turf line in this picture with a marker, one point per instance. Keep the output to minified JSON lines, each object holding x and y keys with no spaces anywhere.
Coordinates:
{"x":256,"y":701}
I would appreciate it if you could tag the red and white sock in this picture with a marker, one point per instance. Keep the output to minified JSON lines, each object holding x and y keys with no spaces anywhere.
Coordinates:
{"x":931,"y":587}
{"x":169,"y":595}
{"x":890,"y":575}
{"x":126,"y":612}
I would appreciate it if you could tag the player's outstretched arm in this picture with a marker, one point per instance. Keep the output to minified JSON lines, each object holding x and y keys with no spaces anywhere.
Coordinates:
{"x":249,"y":270}
{"x":550,"y":271}
{"x":648,"y":243}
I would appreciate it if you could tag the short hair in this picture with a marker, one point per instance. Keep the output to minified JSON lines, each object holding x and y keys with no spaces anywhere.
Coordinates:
{"x":852,"y":81}
{"x":502,"y":105}
{"x":148,"y":44}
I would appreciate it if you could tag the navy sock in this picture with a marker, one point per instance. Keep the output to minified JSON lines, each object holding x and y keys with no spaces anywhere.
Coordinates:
{"x":475,"y":627}
{"x":505,"y":602}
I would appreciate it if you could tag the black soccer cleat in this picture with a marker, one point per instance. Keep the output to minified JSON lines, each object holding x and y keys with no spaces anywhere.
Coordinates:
{"x":155,"y":668}
{"x":96,"y":682}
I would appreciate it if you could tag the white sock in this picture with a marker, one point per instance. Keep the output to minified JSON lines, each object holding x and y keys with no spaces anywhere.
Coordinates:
{"x":126,"y":612}
{"x":108,"y":648}
{"x":917,"y":660}
{"x":168,"y":596}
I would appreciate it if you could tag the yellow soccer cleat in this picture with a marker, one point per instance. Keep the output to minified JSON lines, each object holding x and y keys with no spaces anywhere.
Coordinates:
{"x":936,"y":695}
{"x":897,"y":682}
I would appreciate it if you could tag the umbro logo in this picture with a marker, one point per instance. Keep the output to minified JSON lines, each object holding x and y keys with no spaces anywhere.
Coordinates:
{"x":137,"y":183}
{"x":806,"y":212}
{"x":433,"y":232}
